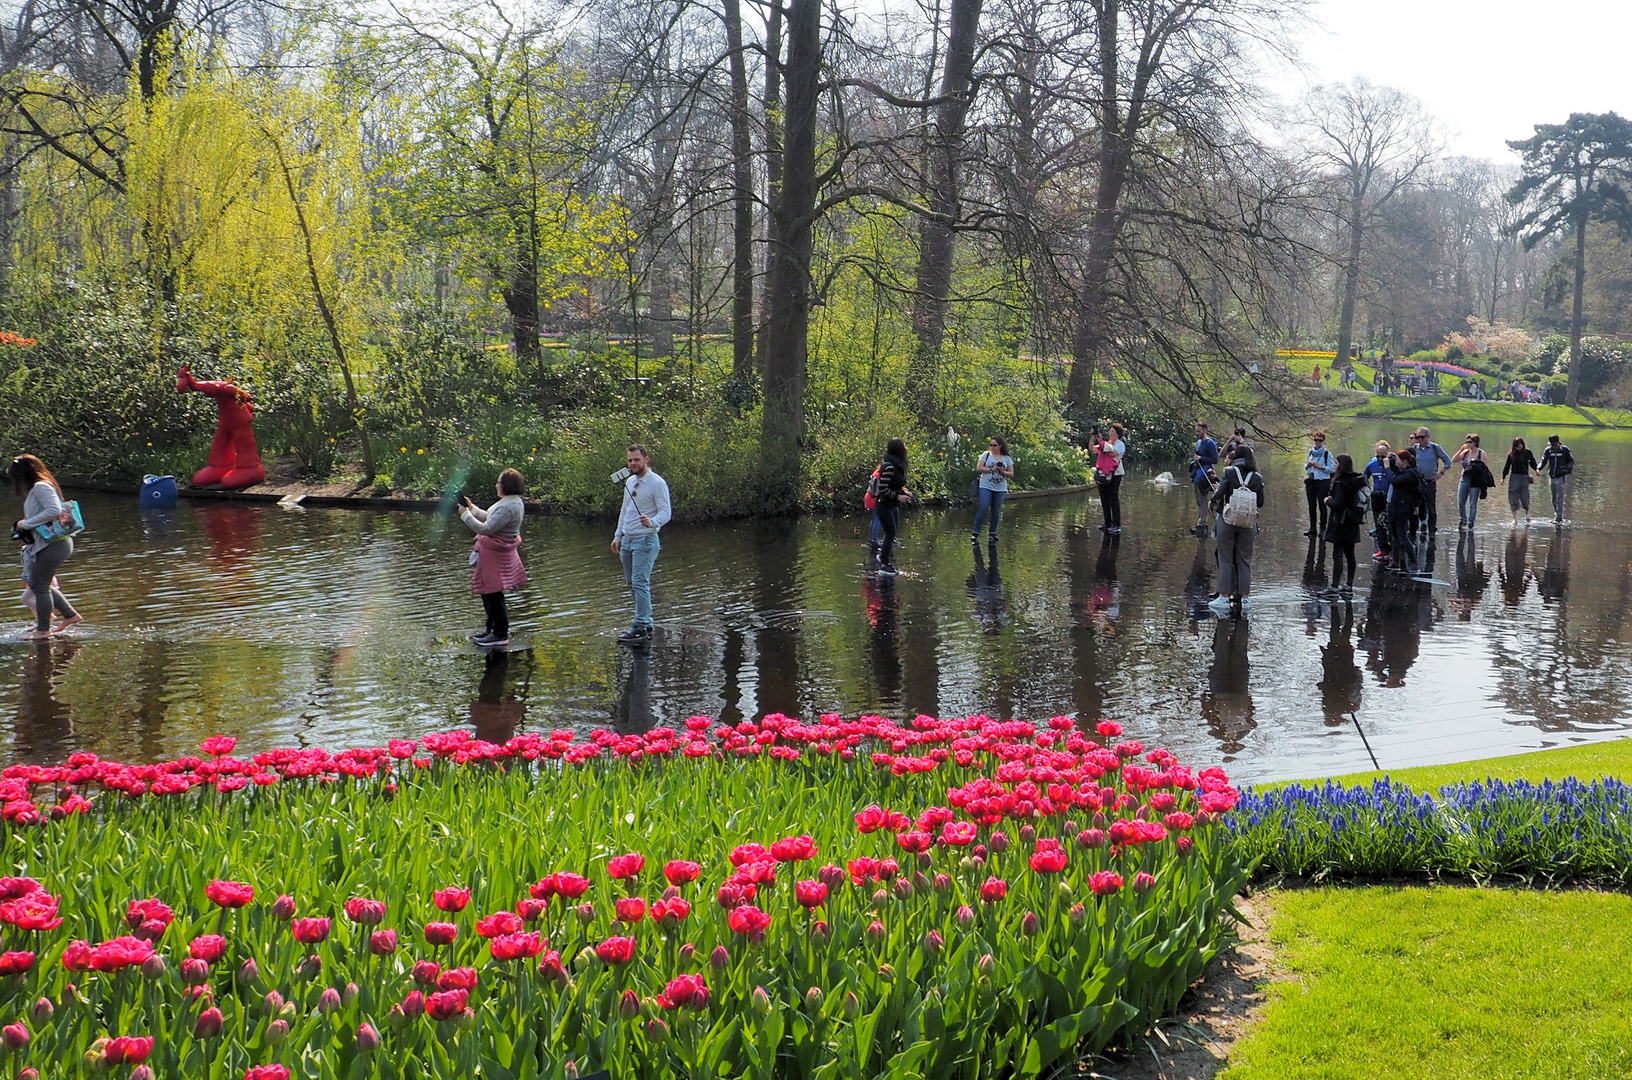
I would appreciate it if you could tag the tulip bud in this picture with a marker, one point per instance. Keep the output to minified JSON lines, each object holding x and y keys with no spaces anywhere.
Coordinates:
{"x":919,"y":881}
{"x":1143,"y":883}
{"x":153,"y":967}
{"x":368,"y":1040}
{"x":687,"y":951}
{"x":586,"y":957}
{"x":29,"y":1073}
{"x":965,"y":916}
{"x":194,"y":971}
{"x":761,"y":1001}
{"x":1028,"y":924}
{"x":903,"y":888}
{"x":382,"y":942}
{"x":586,"y":912}
{"x":389,"y":788}
{"x":143,"y":1071}
{"x":277,"y":1031}
{"x":942,"y":883}
{"x":42,"y":1010}
{"x":249,"y":974}
{"x":283,"y":908}
{"x":1078,"y":914}
{"x":413,"y":1006}
{"x":629,"y":1005}
{"x":1028,"y":835}
{"x":1186,"y":847}
{"x":272,"y":1002}
{"x":426,"y":971}
{"x":15,"y":1035}
{"x":1000,"y":842}
{"x":672,"y":892}
{"x":208,"y":1024}
{"x":571,"y":1070}
{"x":966,"y":864}
{"x":719,"y":959}
{"x":978,"y":851}
{"x":875,"y":930}
{"x":311,"y":967}
{"x":348,"y":993}
{"x":813,"y":998}
{"x":288,"y":1012}
{"x":986,"y":965}
{"x":925,"y":860}
{"x":886,"y":974}
{"x":328,"y":1001}
{"x":819,"y":931}
{"x":851,"y":1006}
{"x":1064,"y":889}
{"x":656,"y":1030}
{"x":978,"y":862}
{"x":1070,"y":826}
{"x":71,"y":995}
{"x":192,"y":995}
{"x":1099,"y":819}
{"x":933,"y":942}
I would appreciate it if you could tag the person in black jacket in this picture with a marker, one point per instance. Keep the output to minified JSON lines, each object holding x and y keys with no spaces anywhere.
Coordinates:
{"x":1558,"y":463}
{"x":1404,"y":499}
{"x":892,"y":493}
{"x":1517,"y":471}
{"x":1347,"y":501}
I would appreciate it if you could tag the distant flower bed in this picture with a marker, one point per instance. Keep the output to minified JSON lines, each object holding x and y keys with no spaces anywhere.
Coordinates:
{"x":1441,"y":367}
{"x":1552,"y":833}
{"x":847,"y":898}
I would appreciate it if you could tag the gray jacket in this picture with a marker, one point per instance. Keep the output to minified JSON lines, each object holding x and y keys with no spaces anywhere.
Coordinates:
{"x":42,"y":506}
{"x":503,"y":518}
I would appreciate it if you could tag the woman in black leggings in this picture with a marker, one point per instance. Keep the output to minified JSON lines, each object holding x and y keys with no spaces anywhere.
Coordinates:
{"x":1344,"y":521}
{"x":1108,"y":453}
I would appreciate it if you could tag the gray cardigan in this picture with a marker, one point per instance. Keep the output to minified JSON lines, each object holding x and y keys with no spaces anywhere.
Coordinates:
{"x":42,"y":506}
{"x":503,"y":518}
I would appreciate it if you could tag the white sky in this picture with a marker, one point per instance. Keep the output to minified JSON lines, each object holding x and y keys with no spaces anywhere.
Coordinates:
{"x":1488,"y":70}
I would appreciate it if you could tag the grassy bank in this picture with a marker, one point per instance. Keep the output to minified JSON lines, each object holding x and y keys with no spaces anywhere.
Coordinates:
{"x":1447,"y":408}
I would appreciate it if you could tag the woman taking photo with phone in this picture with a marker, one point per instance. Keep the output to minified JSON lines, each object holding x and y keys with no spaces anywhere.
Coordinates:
{"x":42,"y":505}
{"x":496,"y":558}
{"x":1108,"y":473}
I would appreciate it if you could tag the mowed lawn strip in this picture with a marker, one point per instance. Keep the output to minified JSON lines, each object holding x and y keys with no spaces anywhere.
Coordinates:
{"x":1444,"y":982}
{"x":1586,"y":761}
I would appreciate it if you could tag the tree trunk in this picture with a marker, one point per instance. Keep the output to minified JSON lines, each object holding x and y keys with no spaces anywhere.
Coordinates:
{"x":742,"y":194}
{"x":1351,"y":284}
{"x":520,"y":293}
{"x":773,"y":163}
{"x":1572,"y":392}
{"x":936,"y":239}
{"x":793,"y":215}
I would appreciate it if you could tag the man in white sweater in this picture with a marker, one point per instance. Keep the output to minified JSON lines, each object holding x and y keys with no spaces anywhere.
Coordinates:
{"x":645,"y":511}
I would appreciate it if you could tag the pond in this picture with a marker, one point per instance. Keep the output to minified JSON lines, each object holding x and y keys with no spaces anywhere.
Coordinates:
{"x":342,"y":627}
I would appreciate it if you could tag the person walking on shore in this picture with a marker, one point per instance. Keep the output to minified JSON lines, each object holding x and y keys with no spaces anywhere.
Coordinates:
{"x":996,"y":469}
{"x":1348,"y":510}
{"x":1240,"y":497}
{"x":1558,"y":463}
{"x":1378,"y":472}
{"x":1432,"y":462}
{"x":1108,"y":473}
{"x":891,"y":493}
{"x":645,"y":511}
{"x":1201,"y":476}
{"x":1318,"y":467}
{"x":1471,"y":488}
{"x":43,"y":505}
{"x":1517,"y":471}
{"x":497,"y":555}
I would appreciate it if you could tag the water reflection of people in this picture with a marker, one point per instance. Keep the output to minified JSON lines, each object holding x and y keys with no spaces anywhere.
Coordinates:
{"x":1471,"y":577}
{"x":986,"y":586}
{"x":1105,"y":599}
{"x":1514,"y":570}
{"x":1226,"y":704}
{"x":44,"y":730}
{"x":1395,"y":619}
{"x":1314,"y":585}
{"x":883,"y":604}
{"x":1198,"y":587}
{"x":496,"y":713}
{"x":634,"y":715}
{"x":1553,"y":580}
{"x":1340,"y":678}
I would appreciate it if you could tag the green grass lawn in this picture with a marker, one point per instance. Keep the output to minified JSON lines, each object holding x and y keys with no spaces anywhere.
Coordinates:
{"x":1446,"y":983}
{"x":1457,"y":410}
{"x":1613,"y":758}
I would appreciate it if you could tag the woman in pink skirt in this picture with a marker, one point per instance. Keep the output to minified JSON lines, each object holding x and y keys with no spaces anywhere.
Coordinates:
{"x":497,"y":556}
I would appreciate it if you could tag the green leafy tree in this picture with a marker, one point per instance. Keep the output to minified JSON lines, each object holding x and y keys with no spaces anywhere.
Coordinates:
{"x":1574,"y":173}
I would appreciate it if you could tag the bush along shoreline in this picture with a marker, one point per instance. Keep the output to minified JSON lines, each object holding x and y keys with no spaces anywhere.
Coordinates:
{"x":961,"y":898}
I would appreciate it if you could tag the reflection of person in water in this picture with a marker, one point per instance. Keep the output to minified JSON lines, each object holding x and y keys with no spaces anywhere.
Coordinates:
{"x":1105,"y":599}
{"x":1314,"y":584}
{"x":1198,"y":587}
{"x":44,"y":731}
{"x":1514,"y":571}
{"x":1395,"y":618}
{"x":495,"y":714}
{"x":1471,"y":577}
{"x":986,"y":586}
{"x":1226,"y":704}
{"x":1553,"y":580}
{"x":1340,"y":679}
{"x":634,"y":714}
{"x":883,"y":604}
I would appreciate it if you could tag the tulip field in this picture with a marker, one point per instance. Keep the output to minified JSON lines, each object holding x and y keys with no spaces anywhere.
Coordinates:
{"x":845,"y":899}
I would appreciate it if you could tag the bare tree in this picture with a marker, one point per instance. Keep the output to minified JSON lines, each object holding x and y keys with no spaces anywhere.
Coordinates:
{"x":1370,"y":143}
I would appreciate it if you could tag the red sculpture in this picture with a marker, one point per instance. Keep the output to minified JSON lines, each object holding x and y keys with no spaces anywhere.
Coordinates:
{"x":234,"y":461}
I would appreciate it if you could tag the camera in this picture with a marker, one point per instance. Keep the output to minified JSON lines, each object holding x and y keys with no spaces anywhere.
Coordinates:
{"x":620,"y":476}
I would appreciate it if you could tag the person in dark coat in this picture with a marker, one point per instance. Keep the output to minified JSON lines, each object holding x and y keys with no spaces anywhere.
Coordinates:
{"x":1347,"y":502}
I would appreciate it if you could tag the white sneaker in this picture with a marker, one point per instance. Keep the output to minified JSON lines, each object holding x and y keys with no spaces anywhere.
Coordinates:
{"x":1246,"y":604}
{"x":1219,"y":605}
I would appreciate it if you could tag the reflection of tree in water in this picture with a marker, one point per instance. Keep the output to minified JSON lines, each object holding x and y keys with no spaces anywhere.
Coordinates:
{"x":1398,"y":610}
{"x":1340,"y":678}
{"x":1227,"y":702}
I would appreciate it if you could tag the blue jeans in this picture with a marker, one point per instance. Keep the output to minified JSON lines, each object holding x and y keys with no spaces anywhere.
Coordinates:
{"x":639,"y":555}
{"x":1467,"y":501}
{"x":990,"y":502}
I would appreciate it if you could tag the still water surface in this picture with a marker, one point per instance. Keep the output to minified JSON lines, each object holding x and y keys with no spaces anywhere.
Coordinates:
{"x":337,"y":628}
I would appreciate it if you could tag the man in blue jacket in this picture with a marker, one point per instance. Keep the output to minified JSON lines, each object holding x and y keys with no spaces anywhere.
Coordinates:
{"x":1200,"y":477}
{"x":1432,"y":462}
{"x":1378,"y":472}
